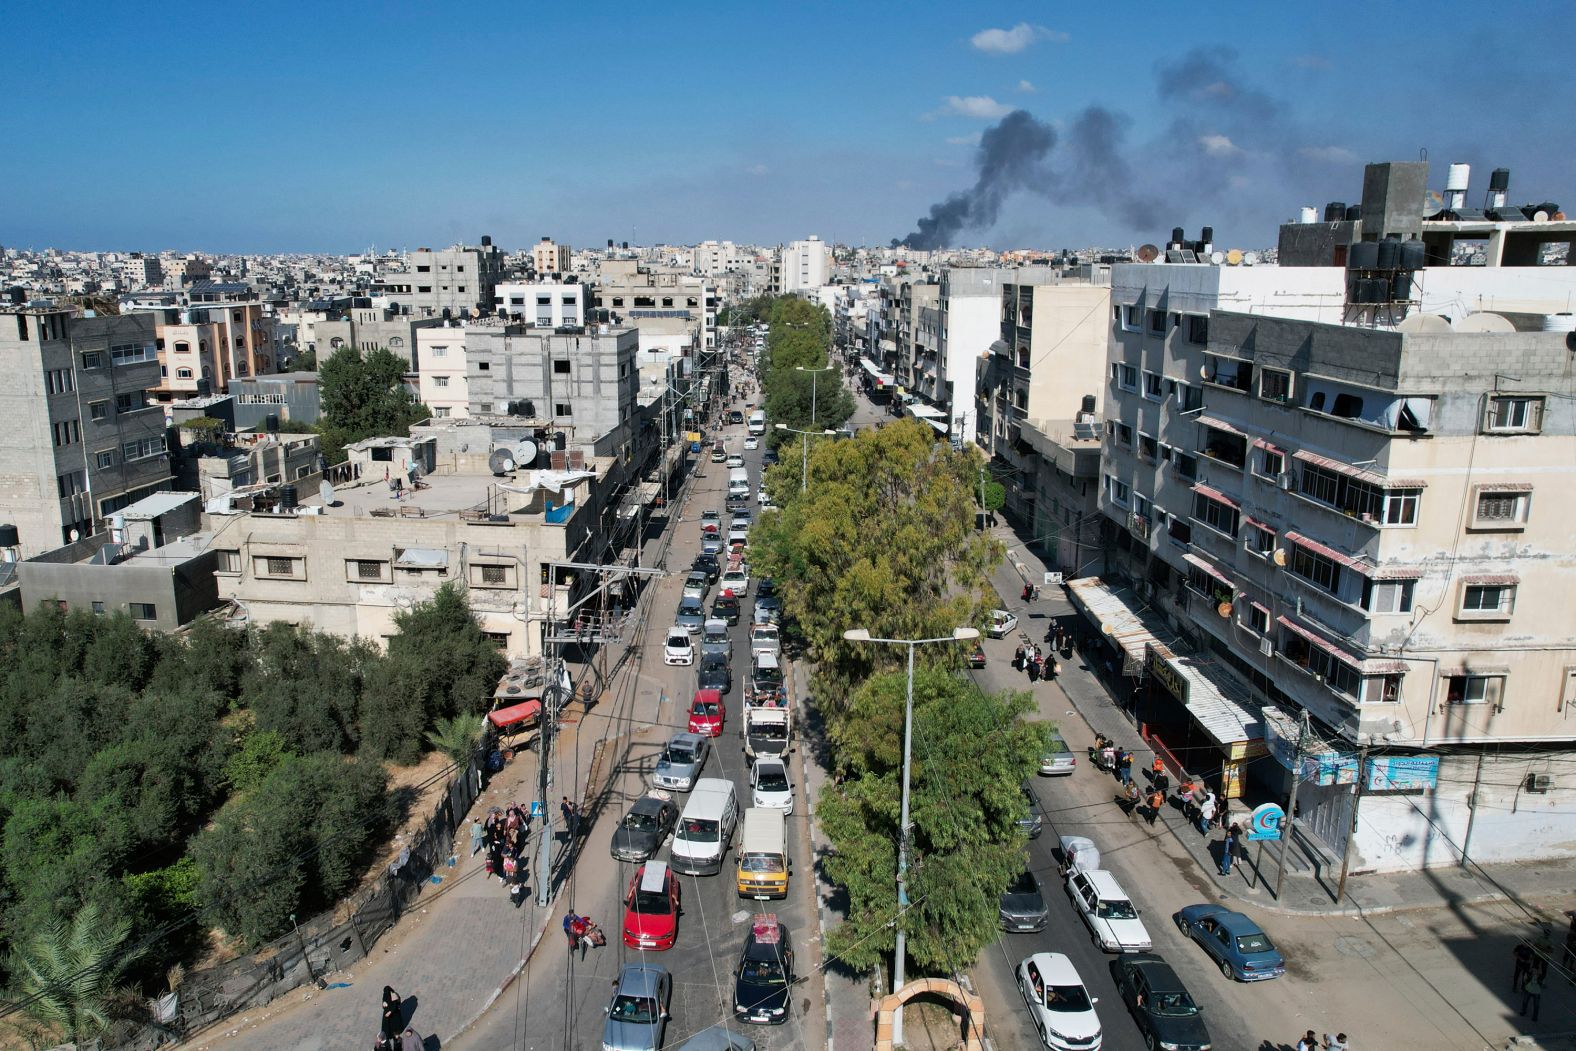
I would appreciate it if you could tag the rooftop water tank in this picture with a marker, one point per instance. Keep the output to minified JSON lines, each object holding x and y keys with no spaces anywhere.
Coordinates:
{"x":1335,"y":211}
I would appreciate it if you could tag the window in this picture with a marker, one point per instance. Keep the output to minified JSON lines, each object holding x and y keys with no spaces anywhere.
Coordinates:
{"x":142,"y":611}
{"x":1474,"y":689}
{"x":128,"y":402}
{"x":367,"y":569}
{"x":1179,"y":530}
{"x":67,"y":432}
{"x":440,"y":381}
{"x":1271,"y":463}
{"x":561,"y":367}
{"x":484,"y":406}
{"x":1223,"y":518}
{"x":1501,"y":508}
{"x":1388,"y":596}
{"x":667,"y":301}
{"x":1256,"y":619}
{"x":1400,"y":506}
{"x":98,"y":607}
{"x":1117,"y":490}
{"x":1381,"y":689}
{"x":183,"y":374}
{"x":1260,"y":541}
{"x":1275,"y":385}
{"x":1186,"y":466}
{"x":92,"y":360}
{"x":491,"y":576}
{"x":1228,"y":372}
{"x":1152,"y":386}
{"x":104,"y":460}
{"x":440,"y":352}
{"x":561,"y":409}
{"x":58,"y":381}
{"x":71,"y":483}
{"x":131,"y":353}
{"x":484,"y":366}
{"x":1350,"y":496}
{"x":424,"y":288}
{"x":1486,"y":601}
{"x":1518,"y":413}
{"x":1227,"y":448}
{"x":1317,"y":661}
{"x":1197,"y":329}
{"x":278,"y":566}
{"x":1125,"y":375}
{"x":1157,"y":322}
{"x":1189,"y":397}
{"x":1148,"y":448}
{"x":1132,"y":318}
{"x":423,"y":269}
{"x":229,"y":560}
{"x":142,"y":449}
{"x":182,"y":347}
{"x":618,"y":301}
{"x":1315,"y":568}
{"x":1124,"y":434}
{"x":99,"y":410}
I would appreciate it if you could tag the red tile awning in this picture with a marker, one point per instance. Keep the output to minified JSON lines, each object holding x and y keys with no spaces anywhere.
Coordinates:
{"x":1397,"y":573}
{"x":1208,"y":567}
{"x":1260,"y":607}
{"x":1383,"y":481}
{"x":1501,"y":579}
{"x":1260,"y":443}
{"x":1221,"y":425}
{"x":1328,"y":647}
{"x":1350,"y":561}
{"x":1217,"y":495}
{"x":1385,"y":668}
{"x":1505,"y":487}
{"x":1255,"y":523}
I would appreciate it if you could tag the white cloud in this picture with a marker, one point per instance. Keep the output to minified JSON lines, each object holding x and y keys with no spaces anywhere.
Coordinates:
{"x":1026,"y":88}
{"x":757,"y":169}
{"x":1218,"y":145}
{"x":964,"y":140}
{"x":1328,"y":154}
{"x":1011,"y":41}
{"x":981,"y":107}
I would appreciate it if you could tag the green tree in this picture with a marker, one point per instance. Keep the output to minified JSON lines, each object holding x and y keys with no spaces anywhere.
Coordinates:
{"x":364,"y":396}
{"x":883,"y":538}
{"x":457,"y":737}
{"x":307,"y":687}
{"x":972,"y":751}
{"x":306,"y":361}
{"x":68,"y":974}
{"x":258,"y":753}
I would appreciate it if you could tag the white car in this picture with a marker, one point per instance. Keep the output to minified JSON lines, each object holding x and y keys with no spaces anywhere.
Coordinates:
{"x":1001,"y":624}
{"x":764,"y":638}
{"x":752,"y":442}
{"x":1108,"y":911}
{"x":762,"y":498}
{"x":735,"y":460}
{"x":679,"y":647}
{"x":770,"y":786}
{"x":737,"y":581}
{"x":1060,"y":1007}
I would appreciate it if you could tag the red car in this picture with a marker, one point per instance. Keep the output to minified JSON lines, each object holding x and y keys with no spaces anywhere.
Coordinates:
{"x":707,"y":713}
{"x":651,"y":908}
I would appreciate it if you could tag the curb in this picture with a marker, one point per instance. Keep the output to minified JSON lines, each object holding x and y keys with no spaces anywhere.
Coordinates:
{"x":492,"y":997}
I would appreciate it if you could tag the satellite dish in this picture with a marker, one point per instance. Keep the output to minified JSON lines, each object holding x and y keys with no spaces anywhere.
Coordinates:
{"x":1148,"y":253}
{"x":501,"y":461}
{"x":1249,"y":258}
{"x":1234,"y":257}
{"x":525,"y":452}
{"x":76,"y":535}
{"x":326,"y":493}
{"x":1217,"y":257}
{"x":1280,"y":556}
{"x":1224,"y":609}
{"x":1203,"y":371}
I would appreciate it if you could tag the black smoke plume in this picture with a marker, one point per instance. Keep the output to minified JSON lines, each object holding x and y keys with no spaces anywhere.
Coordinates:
{"x":1009,"y":157}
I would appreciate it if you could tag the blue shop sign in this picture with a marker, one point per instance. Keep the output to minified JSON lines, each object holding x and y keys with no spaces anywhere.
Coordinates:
{"x":1402,"y":773}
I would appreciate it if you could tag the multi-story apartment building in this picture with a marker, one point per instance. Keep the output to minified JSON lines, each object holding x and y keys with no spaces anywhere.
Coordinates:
{"x":546,"y":304}
{"x":83,"y":440}
{"x":587,"y":380}
{"x":441,"y":371}
{"x":460,"y":280}
{"x":364,"y":328}
{"x":550,"y":258}
{"x":1355,"y":519}
{"x":202,"y":349}
{"x":803,"y":265}
{"x":674,"y":313}
{"x":140,"y":271}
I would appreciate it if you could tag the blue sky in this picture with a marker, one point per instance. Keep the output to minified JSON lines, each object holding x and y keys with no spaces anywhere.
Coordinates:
{"x":328,"y":127}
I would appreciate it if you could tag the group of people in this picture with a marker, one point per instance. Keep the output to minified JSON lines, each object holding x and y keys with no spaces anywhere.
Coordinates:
{"x":582,"y":933}
{"x":1310,"y":1042}
{"x":1531,"y":973}
{"x":504,"y":833}
{"x":1031,"y":661}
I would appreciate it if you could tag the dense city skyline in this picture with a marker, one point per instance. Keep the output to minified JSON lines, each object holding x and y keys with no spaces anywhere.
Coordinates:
{"x":332,"y":136}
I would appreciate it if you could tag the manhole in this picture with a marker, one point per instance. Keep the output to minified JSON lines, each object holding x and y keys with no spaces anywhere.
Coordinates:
{"x":1349,"y":946}
{"x":1317,"y":899}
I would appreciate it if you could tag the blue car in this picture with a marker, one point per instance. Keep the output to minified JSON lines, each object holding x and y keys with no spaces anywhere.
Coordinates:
{"x":1241,"y":949}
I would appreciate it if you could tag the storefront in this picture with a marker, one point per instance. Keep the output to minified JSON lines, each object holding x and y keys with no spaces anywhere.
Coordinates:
{"x":1223,"y":731}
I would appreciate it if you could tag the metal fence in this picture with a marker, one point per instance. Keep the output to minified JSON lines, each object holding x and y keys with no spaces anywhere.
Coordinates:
{"x":324,"y":944}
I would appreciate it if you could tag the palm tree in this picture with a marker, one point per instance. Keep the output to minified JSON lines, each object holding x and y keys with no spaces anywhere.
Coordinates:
{"x":68,"y":974}
{"x":456,"y":737}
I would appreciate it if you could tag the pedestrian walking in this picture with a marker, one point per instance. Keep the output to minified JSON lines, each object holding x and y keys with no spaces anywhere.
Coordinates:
{"x":1017,"y":658}
{"x":1522,"y":955}
{"x":393,"y":1014}
{"x":1130,"y":798}
{"x":1034,"y":670}
{"x":1532,"y":996}
{"x":1228,"y":849}
{"x":1162,"y":783}
{"x":478,"y":836}
{"x":567,"y":808}
{"x":1309,"y":1042}
{"x":1542,"y":953}
{"x":1156,"y":801}
{"x":1206,"y":814}
{"x":1127,"y":768}
{"x":1157,"y":768}
{"x":1335,"y":1043}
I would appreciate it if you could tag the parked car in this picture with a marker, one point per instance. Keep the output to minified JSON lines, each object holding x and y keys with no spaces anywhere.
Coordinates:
{"x":726,"y":607}
{"x":764,"y":978}
{"x":651,"y":908}
{"x":764,"y":498}
{"x":1165,"y":1013}
{"x":1058,"y":759}
{"x":735,"y":460}
{"x":718,"y":454}
{"x":769,"y":457}
{"x":707,"y":713}
{"x":714,"y":674}
{"x":1022,"y":906}
{"x":1239,"y":947}
{"x":696,"y":585}
{"x":647,"y":823}
{"x":681,"y":762}
{"x":1108,"y":912}
{"x":679,"y":647}
{"x":691,"y":614}
{"x":768,"y":609}
{"x":1033,"y":821}
{"x":707,"y":564}
{"x":764,"y":638}
{"x":752,"y":442}
{"x":741,"y":519}
{"x":1002,"y":624}
{"x":771,"y":788}
{"x":735,"y":416}
{"x":637,"y":1016}
{"x":711,"y":545}
{"x":1059,"y":1005}
{"x":736,"y":578}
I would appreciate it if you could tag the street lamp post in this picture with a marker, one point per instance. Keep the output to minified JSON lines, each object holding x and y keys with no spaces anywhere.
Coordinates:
{"x":863,"y":635}
{"x":815,"y":374}
{"x":804,"y":465}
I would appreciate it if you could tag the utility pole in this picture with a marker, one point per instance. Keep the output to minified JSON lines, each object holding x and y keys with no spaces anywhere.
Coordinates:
{"x":1291,"y":804}
{"x":1357,"y":802}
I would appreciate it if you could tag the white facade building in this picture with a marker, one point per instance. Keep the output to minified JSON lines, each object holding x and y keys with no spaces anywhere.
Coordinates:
{"x":441,"y":371}
{"x":545,"y":304}
{"x":805,"y":265}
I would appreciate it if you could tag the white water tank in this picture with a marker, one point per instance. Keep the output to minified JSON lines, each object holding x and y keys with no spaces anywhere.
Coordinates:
{"x":1456,"y":185}
{"x":1563,"y":322}
{"x":1309,"y":214}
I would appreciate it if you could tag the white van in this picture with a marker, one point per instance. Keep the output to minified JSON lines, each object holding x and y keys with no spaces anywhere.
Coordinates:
{"x":763,"y":855}
{"x":758,"y":422}
{"x":705,"y":828}
{"x":739,"y":482}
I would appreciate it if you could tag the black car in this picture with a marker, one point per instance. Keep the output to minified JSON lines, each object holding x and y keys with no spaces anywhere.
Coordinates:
{"x":643,"y":829}
{"x":764,"y":977}
{"x":707,"y":564}
{"x":735,"y":416}
{"x":1160,"y":1002}
{"x":726,"y":607}
{"x":1032,"y":822}
{"x":1022,"y":906}
{"x":769,"y":457}
{"x":714,"y":673}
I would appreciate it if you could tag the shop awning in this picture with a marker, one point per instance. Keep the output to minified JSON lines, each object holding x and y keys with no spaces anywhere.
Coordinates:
{"x":1217,"y":701}
{"x":871,"y":367}
{"x":1217,"y":495}
{"x":1220,"y":425}
{"x":940,"y":427}
{"x":1114,"y":612}
{"x":1361,"y":565}
{"x":515,"y":714}
{"x":1209,"y":568}
{"x":1328,"y":647}
{"x":920,"y":409}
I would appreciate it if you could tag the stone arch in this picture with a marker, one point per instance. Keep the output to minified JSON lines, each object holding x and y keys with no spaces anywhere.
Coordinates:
{"x":972,"y":1007}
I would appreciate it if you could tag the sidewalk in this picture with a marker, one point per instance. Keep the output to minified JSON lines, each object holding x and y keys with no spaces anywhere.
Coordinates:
{"x":1307,"y":889}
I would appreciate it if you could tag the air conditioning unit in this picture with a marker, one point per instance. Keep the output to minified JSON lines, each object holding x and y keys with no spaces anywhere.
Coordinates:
{"x":1266,"y":647}
{"x":1540,"y":782}
{"x":1284,"y":480}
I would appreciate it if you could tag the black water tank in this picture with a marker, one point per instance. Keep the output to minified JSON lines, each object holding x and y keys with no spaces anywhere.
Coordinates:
{"x":560,"y":440}
{"x":1335,"y":211}
{"x":1401,"y":286}
{"x":271,"y":423}
{"x":1354,"y":212}
{"x":486,"y":240}
{"x":1378,"y":290}
{"x":288,"y":497}
{"x":1499,"y":180}
{"x":1088,"y":403}
{"x":9,"y":536}
{"x":610,"y":242}
{"x":1207,"y":235}
{"x":1178,"y":235}
{"x":1389,"y":254}
{"x":1363,"y":256}
{"x":1414,"y":255}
